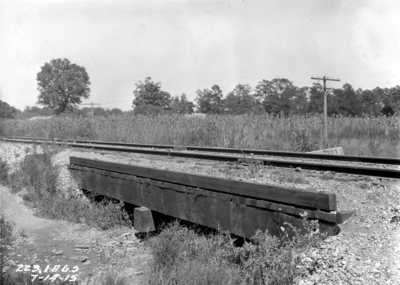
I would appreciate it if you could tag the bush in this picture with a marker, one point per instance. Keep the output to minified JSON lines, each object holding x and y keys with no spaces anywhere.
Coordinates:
{"x":180,"y":256}
{"x":39,"y":176}
{"x":6,"y":232}
{"x":3,"y":171}
{"x":300,"y":142}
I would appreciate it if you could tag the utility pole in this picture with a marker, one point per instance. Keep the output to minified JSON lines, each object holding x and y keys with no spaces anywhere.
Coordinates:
{"x":92,"y":104}
{"x":325,"y":106}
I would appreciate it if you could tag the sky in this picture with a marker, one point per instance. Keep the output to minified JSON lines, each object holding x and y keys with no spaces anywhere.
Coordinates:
{"x":191,"y":45}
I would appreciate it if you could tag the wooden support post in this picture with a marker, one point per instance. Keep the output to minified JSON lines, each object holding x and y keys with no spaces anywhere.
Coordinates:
{"x":143,"y":220}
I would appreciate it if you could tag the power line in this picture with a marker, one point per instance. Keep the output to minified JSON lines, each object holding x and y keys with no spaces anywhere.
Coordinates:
{"x":325,"y":106}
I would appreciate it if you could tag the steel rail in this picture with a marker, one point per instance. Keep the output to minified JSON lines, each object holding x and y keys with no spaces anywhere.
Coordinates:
{"x":349,"y":158}
{"x":358,"y":170}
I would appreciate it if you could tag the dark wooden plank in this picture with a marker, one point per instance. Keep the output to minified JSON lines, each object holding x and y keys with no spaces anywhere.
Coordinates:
{"x":329,"y":217}
{"x":270,"y":206}
{"x":312,"y":199}
{"x":300,"y":212}
{"x":342,"y":216}
{"x":199,"y":191}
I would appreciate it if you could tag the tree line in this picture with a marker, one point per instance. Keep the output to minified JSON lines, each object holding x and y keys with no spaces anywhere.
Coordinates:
{"x":276,"y":96}
{"x":63,"y":85}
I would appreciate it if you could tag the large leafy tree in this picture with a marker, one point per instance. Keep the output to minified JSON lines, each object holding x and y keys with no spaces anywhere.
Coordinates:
{"x":276,"y":95}
{"x":149,"y":93}
{"x":7,"y":111}
{"x":62,"y":85}
{"x":210,"y":101}
{"x":370,"y":102}
{"x":348,"y":103}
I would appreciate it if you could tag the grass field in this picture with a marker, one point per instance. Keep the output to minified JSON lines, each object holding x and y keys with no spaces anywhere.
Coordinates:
{"x":379,"y":136}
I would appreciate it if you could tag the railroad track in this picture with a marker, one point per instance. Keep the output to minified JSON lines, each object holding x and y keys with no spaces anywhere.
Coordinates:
{"x":256,"y":156}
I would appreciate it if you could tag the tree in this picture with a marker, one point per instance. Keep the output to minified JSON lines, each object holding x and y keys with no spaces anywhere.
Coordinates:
{"x":181,"y":105}
{"x":62,"y":85}
{"x":210,"y":101}
{"x":276,"y":95}
{"x":370,"y":103}
{"x":316,"y":103}
{"x":7,"y":111}
{"x":116,"y":112}
{"x":394,"y":98}
{"x":348,"y":103}
{"x":387,"y":111}
{"x":150,"y":93}
{"x":299,"y":103}
{"x":240,"y":101}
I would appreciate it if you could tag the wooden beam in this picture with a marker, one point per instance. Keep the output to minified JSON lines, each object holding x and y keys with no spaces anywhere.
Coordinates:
{"x":291,"y":196}
{"x":193,"y":205}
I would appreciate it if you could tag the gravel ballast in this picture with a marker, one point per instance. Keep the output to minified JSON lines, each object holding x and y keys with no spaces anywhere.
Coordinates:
{"x":366,"y":251}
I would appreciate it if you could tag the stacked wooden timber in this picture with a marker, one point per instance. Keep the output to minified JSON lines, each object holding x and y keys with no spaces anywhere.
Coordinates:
{"x":237,"y":206}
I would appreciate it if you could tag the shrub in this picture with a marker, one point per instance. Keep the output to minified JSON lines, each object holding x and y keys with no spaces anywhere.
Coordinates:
{"x":3,"y":171}
{"x":6,"y":232}
{"x":180,"y":256}
{"x":300,"y":142}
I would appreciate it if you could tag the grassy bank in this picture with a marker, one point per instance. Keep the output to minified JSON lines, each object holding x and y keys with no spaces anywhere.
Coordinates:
{"x":378,"y":136}
{"x":38,"y":176}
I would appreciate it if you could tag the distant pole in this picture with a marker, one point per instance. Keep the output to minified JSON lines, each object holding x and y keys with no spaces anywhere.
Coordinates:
{"x":325,"y":106}
{"x":92,"y":104}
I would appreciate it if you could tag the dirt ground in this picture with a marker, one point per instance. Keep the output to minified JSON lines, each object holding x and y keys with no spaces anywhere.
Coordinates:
{"x":87,"y":252}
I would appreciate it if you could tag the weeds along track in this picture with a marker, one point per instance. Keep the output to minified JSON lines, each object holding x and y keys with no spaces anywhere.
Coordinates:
{"x":383,"y":167}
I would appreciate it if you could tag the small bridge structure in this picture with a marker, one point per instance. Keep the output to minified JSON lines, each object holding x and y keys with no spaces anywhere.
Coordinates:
{"x":237,"y":206}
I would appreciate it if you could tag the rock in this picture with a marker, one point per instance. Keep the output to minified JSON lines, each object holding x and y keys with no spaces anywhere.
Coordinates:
{"x":87,"y":262}
{"x":124,"y":235}
{"x":82,"y":258}
{"x":5,"y":268}
{"x":47,"y":260}
{"x":316,"y":278}
{"x":60,"y":252}
{"x":298,"y":169}
{"x":138,"y":273}
{"x":118,"y":252}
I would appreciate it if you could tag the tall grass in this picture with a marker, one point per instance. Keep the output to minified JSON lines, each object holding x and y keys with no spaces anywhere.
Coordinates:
{"x":376,"y":136}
